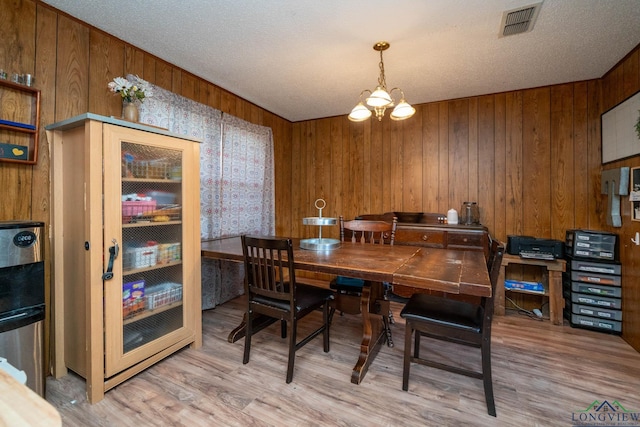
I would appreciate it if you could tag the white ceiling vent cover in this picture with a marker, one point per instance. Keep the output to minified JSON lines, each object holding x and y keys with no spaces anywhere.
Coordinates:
{"x":519,"y":20}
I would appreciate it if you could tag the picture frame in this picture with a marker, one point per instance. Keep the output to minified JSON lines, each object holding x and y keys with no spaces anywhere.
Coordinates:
{"x":634,"y":194}
{"x":620,"y":139}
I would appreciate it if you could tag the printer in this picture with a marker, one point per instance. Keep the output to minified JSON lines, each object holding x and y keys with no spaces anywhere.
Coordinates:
{"x":536,"y":248}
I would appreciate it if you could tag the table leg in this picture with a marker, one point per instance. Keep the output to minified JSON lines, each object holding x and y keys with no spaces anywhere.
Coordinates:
{"x":372,"y":337}
{"x":498,"y":298}
{"x":556,"y":300}
{"x":259,"y":323}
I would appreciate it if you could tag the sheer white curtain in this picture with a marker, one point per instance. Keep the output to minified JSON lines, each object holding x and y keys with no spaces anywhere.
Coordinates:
{"x":241,"y":201}
{"x":236,"y":179}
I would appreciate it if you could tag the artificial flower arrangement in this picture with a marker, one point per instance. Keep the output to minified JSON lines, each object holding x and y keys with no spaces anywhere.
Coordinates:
{"x":129,"y":91}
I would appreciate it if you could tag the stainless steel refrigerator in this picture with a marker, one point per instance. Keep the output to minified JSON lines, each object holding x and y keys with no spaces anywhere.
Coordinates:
{"x":22,"y":305}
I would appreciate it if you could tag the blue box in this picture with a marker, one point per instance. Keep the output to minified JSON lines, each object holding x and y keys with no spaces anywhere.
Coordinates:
{"x":524,"y":286}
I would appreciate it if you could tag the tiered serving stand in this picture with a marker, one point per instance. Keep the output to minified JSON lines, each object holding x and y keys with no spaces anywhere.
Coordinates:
{"x":320,"y":243}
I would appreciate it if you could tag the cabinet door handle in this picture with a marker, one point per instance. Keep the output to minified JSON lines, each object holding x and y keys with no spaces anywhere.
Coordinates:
{"x":425,"y":237}
{"x":113,"y":254}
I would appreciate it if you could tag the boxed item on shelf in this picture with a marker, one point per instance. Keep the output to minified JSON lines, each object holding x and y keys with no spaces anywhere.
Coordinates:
{"x":524,"y":285}
{"x":163,"y":294}
{"x":132,"y":297}
{"x":162,"y":197}
{"x":141,"y":257}
{"x":169,"y":252}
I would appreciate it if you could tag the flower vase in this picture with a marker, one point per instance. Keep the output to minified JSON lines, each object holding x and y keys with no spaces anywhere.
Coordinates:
{"x":130,"y":112}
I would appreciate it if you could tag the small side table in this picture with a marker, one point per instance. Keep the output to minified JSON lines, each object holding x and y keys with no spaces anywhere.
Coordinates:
{"x":555,"y":268}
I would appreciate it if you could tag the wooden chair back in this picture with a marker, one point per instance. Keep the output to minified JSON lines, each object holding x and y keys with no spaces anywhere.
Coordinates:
{"x":268,"y":272}
{"x":368,"y":231}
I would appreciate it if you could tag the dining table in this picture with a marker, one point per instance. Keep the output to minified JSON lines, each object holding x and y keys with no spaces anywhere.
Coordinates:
{"x":450,"y":271}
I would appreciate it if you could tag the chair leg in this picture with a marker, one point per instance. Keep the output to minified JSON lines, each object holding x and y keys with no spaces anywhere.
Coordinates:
{"x":293,"y":325}
{"x":283,"y":328}
{"x":486,"y":377}
{"x":247,"y":337}
{"x":326,"y":318}
{"x":416,"y":347}
{"x":407,"y":356}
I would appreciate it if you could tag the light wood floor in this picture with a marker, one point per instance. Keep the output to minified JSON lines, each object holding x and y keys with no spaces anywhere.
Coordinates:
{"x":543,"y":376}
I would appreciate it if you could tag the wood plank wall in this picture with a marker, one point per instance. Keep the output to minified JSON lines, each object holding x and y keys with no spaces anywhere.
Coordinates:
{"x":72,"y":63}
{"x":530,"y":158}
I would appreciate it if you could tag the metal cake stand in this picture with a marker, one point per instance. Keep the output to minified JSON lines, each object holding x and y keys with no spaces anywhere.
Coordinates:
{"x":320,"y":243}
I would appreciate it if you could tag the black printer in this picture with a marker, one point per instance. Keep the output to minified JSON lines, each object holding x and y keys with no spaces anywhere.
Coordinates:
{"x":535,"y":248}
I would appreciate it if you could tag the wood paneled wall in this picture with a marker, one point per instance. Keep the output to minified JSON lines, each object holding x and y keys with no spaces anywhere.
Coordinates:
{"x":530,"y":158}
{"x":72,"y":63}
{"x":527,"y":157}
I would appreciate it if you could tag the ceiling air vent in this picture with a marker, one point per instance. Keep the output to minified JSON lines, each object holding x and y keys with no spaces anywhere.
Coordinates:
{"x":519,"y":20}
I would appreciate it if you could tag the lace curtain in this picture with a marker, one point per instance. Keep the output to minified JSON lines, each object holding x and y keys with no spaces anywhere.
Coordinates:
{"x":236,"y":179}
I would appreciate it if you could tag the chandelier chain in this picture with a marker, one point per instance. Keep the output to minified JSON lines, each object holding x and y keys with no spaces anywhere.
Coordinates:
{"x":382,"y":81}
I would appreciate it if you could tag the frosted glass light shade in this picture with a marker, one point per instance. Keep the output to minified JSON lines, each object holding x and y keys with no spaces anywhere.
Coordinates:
{"x":402,"y":111}
{"x":359,"y":113}
{"x":380,"y":98}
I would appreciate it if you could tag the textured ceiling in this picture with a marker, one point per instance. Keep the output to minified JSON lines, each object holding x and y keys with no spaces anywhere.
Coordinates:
{"x":310,"y":59}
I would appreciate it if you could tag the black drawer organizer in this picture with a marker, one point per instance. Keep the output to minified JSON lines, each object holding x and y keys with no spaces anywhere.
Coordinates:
{"x":592,"y":284}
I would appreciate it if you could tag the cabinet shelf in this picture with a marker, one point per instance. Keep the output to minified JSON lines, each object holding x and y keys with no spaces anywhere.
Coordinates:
{"x":153,"y":267}
{"x":524,"y":291}
{"x":152,"y":180}
{"x":148,"y":313}
{"x":149,"y":223}
{"x":19,"y":123}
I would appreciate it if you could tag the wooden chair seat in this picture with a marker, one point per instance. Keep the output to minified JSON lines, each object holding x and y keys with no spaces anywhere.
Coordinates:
{"x":460,"y":322}
{"x":272,"y":291}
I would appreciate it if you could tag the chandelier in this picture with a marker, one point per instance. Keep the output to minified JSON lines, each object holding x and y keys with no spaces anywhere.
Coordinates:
{"x":380,"y":99}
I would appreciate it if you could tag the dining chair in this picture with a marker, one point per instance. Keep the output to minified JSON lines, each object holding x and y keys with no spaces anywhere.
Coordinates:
{"x":272,"y":291}
{"x":455,"y":321}
{"x":349,"y":290}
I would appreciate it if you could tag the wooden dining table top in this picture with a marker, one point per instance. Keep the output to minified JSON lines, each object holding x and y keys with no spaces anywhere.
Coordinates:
{"x":447,"y":270}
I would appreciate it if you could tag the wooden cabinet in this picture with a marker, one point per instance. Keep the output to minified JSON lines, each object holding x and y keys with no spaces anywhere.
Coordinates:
{"x":19,"y":122}
{"x":126,"y":246}
{"x":464,"y":237}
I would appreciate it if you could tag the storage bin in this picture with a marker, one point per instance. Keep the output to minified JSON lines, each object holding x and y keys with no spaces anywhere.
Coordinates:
{"x":599,"y":279}
{"x":598,"y":301}
{"x":137,"y":209}
{"x":163,"y":294}
{"x":140,"y":257}
{"x":605,"y":291}
{"x":596,"y":267}
{"x":587,"y":310}
{"x":596,"y":323}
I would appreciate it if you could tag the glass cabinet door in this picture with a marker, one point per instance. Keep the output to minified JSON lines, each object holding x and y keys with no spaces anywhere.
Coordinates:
{"x":144,"y":307}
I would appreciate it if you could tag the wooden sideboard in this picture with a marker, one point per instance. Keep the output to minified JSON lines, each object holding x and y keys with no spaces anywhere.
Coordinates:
{"x":464,"y":237}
